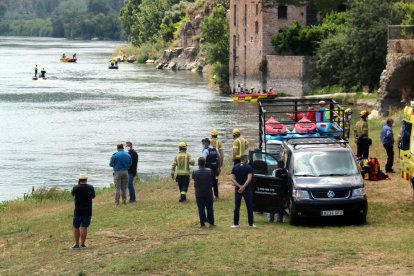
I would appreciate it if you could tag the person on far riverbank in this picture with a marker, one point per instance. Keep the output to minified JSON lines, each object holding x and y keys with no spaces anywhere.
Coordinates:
{"x":120,"y":161}
{"x":132,"y":171}
{"x":83,"y":193}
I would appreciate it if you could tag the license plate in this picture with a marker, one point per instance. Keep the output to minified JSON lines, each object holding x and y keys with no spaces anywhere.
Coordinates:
{"x":332,"y":213}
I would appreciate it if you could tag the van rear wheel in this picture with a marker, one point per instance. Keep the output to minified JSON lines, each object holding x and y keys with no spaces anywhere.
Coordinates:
{"x":293,"y":217}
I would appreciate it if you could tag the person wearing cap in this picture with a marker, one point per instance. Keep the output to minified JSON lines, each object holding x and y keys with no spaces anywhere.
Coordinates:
{"x":212,"y":156}
{"x":132,"y":171}
{"x":387,"y":139}
{"x":361,"y":135}
{"x":120,"y":161}
{"x":203,"y":192}
{"x":182,"y":162}
{"x":347,"y":122}
{"x":322,"y":115}
{"x":240,"y":146}
{"x":83,"y":194}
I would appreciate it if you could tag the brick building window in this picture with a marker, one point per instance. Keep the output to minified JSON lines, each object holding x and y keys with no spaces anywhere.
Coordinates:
{"x":257,"y":9}
{"x":235,"y":15}
{"x":282,"y":12}
{"x":256,"y":27}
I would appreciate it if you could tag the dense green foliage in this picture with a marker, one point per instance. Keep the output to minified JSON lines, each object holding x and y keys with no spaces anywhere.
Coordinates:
{"x":61,"y":18}
{"x":215,"y":29}
{"x":350,"y":49}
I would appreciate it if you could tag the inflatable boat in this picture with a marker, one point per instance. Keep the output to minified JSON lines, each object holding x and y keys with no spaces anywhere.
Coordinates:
{"x":253,"y":97}
{"x":274,"y":127}
{"x":290,"y":136}
{"x":112,"y":67}
{"x":304,"y":126}
{"x":68,"y":59}
{"x":329,"y":129}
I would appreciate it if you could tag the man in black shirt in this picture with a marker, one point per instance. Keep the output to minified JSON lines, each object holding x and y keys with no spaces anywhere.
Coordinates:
{"x":203,"y":183}
{"x":241,"y":177}
{"x":83,"y":193}
{"x":132,"y":171}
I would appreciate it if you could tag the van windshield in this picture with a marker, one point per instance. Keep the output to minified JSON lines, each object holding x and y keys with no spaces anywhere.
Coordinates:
{"x":326,"y":163}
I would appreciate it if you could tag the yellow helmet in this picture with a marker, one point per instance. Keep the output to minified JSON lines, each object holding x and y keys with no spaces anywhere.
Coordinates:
{"x":214,"y":132}
{"x":363,"y":113}
{"x":235,"y":131}
{"x":348,"y":111}
{"x":182,"y":145}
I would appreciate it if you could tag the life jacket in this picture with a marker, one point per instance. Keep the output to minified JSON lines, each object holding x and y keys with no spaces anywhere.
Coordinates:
{"x":212,"y":158}
{"x":375,"y":172}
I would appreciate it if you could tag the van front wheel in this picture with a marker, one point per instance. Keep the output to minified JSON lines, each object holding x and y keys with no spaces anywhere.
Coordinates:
{"x":293,"y":216}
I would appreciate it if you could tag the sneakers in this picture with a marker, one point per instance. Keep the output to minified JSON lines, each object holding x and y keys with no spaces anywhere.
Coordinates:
{"x":74,"y":247}
{"x":82,"y":246}
{"x":391,"y":171}
{"x":253,"y":226}
{"x":235,"y":226}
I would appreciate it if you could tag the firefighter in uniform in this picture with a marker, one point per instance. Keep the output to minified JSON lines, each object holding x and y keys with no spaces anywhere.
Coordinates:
{"x":182,"y":162}
{"x":347,"y":122}
{"x":240,"y":146}
{"x":361,"y":135}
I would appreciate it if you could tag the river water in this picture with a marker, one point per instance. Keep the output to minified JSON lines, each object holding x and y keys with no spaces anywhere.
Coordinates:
{"x":52,"y":130}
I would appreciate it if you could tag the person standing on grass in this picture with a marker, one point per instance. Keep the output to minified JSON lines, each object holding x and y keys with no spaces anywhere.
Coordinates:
{"x":212,"y":156}
{"x":132,"y":171}
{"x":83,"y":193}
{"x":203,"y":183}
{"x":241,"y":177}
{"x":361,"y":135}
{"x":387,"y":139}
{"x":182,"y":162}
{"x":120,"y":162}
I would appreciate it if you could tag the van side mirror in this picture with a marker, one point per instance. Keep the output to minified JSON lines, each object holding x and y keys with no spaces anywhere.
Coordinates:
{"x":281,"y":173}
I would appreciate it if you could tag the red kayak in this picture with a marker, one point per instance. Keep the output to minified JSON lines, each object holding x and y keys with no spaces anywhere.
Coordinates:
{"x":305,"y":126}
{"x":274,"y":127}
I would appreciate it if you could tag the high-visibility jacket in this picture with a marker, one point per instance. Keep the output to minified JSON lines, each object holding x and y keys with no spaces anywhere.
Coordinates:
{"x":216,"y":143}
{"x":182,"y":162}
{"x":361,"y":130}
{"x":240,"y":146}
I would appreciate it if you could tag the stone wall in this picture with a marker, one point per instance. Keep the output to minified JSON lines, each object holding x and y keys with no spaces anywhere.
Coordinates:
{"x":396,"y":81}
{"x":290,"y":74}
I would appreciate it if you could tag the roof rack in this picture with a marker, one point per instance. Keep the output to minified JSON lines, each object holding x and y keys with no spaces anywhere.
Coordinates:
{"x":299,"y":143}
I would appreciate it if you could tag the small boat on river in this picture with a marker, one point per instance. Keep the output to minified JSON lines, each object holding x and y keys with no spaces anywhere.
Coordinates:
{"x":113,"y":66}
{"x":66,"y":59}
{"x":246,"y":97}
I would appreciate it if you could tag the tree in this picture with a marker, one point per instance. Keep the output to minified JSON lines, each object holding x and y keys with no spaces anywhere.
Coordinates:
{"x":3,"y":10}
{"x":215,"y":30}
{"x":98,"y":6}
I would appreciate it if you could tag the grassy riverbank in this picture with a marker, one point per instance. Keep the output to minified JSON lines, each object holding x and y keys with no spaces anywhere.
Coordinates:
{"x":158,"y":235}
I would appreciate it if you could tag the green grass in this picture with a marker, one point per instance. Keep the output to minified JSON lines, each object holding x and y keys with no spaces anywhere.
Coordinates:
{"x":160,"y":236}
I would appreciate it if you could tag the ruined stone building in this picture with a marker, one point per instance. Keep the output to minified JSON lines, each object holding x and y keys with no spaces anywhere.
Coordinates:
{"x":253,"y":60}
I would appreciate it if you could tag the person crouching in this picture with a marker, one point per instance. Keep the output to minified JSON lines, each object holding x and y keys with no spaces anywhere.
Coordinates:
{"x":203,"y":184}
{"x":83,"y":193}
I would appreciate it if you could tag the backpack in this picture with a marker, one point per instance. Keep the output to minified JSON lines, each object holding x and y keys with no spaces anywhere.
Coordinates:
{"x":212,"y":159}
{"x":375,"y":172}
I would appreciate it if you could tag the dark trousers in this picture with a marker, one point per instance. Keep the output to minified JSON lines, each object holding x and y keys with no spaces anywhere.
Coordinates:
{"x":390,"y":157}
{"x":215,"y":183}
{"x":203,"y":204}
{"x":248,"y":199}
{"x":183,"y":182}
{"x":131,"y":188}
{"x":363,"y":148}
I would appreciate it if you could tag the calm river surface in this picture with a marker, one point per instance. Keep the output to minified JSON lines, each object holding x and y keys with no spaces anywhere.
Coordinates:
{"x":52,"y":130}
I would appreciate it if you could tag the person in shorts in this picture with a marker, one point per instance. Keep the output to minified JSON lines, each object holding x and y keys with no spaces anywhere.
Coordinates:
{"x":83,"y":194}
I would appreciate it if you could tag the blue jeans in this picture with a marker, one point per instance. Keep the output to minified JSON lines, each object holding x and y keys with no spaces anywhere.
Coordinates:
{"x":203,"y":204}
{"x":271,"y":217}
{"x":248,"y":199}
{"x":131,"y":188}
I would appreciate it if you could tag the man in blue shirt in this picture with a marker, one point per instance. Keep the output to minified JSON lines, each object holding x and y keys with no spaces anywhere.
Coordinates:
{"x":387,"y":139}
{"x":241,"y":176}
{"x":120,"y":162}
